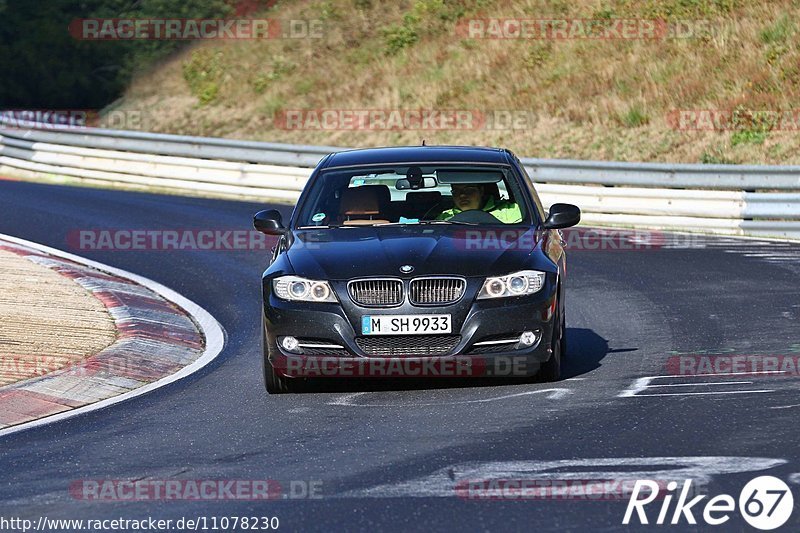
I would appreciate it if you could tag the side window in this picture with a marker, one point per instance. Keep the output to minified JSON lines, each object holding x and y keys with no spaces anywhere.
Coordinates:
{"x":325,"y":207}
{"x":531,"y":189}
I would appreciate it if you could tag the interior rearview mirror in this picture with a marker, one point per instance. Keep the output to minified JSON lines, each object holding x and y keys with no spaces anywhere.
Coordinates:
{"x":404,"y":184}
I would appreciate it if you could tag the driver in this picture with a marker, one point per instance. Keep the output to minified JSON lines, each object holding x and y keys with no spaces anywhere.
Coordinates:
{"x":467,"y":196}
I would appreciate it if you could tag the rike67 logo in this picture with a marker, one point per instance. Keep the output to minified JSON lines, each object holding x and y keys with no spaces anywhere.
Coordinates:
{"x":765,"y":503}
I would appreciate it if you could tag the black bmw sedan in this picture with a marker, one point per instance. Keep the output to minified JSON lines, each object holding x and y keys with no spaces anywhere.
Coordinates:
{"x":415,"y":261}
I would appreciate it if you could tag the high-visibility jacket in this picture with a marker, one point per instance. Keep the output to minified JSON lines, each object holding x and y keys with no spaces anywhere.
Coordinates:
{"x":503,"y":210}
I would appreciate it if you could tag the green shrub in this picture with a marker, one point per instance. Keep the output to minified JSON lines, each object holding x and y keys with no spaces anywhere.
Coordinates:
{"x":427,"y":17}
{"x":538,"y":55}
{"x":280,"y":68}
{"x":676,"y":9}
{"x":635,"y":117}
{"x":604,"y":13}
{"x":304,"y":86}
{"x":748,"y":137}
{"x":260,"y":83}
{"x":208,"y":93}
{"x":326,"y":10}
{"x":751,"y":127}
{"x":778,"y":32}
{"x":273,"y":105}
{"x":203,"y":73}
{"x":400,"y":36}
{"x":715,"y":157}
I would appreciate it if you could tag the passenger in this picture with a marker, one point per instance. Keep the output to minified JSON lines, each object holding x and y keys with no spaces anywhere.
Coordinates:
{"x":467,"y":196}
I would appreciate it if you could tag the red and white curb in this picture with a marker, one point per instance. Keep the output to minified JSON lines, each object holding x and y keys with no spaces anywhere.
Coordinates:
{"x":161,"y":338}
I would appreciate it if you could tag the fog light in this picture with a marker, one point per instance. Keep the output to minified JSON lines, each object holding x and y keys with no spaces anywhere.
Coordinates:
{"x":528,"y":338}
{"x":290,"y":344}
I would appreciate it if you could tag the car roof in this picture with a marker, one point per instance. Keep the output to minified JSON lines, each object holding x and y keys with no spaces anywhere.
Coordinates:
{"x":417,"y":154}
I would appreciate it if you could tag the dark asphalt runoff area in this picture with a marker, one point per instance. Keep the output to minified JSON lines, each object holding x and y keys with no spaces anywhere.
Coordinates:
{"x":390,"y":457}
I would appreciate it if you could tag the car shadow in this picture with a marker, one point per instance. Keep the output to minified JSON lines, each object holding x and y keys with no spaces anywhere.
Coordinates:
{"x":586,"y":349}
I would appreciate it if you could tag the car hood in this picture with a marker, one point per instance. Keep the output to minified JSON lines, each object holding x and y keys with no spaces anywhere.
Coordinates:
{"x":344,"y":253}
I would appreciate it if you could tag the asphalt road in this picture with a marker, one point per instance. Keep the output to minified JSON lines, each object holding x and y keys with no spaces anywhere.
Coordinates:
{"x":388,"y":458}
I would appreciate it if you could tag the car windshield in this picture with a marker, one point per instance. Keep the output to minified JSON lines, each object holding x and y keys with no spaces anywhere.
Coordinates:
{"x":439,"y":194}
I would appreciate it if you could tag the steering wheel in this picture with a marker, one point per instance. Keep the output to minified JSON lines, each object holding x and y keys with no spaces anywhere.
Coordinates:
{"x":475,"y":216}
{"x":428,"y":212}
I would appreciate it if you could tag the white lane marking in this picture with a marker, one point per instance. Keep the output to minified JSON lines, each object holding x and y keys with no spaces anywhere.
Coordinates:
{"x":641,"y":384}
{"x":705,"y":393}
{"x":348,"y":400}
{"x":575,"y":379}
{"x":780,"y":253}
{"x":454,"y":480}
{"x":701,"y":384}
{"x":786,"y":406}
{"x":724,"y":374}
{"x":740,"y":240}
{"x":638,"y":386}
{"x":211,"y":329}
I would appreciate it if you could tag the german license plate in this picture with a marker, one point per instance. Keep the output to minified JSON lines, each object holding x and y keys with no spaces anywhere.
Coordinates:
{"x":405,"y":324}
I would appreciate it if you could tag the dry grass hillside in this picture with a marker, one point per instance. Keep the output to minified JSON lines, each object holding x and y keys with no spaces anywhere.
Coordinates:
{"x":573,"y":98}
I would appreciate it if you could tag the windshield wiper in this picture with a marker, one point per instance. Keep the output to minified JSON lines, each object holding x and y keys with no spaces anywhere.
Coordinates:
{"x":454,"y":222}
{"x":334,"y":226}
{"x":383,"y":224}
{"x":423,"y":223}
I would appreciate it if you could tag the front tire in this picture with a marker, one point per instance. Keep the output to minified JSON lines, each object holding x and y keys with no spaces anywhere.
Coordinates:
{"x":550,"y":370}
{"x":276,"y":383}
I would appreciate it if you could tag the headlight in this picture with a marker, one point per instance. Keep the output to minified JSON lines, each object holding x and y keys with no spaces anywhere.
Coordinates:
{"x":516,"y":284}
{"x":298,"y":289}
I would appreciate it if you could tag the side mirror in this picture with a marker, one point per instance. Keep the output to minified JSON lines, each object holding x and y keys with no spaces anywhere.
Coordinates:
{"x":269,"y":222}
{"x":562,"y":216}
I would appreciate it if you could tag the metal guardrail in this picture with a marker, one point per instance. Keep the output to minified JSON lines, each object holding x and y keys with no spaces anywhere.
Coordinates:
{"x":178,"y":145}
{"x":666,"y":175}
{"x":729,"y":199}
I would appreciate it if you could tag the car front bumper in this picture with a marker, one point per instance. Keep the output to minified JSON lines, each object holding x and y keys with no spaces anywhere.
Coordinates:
{"x":479,"y":329}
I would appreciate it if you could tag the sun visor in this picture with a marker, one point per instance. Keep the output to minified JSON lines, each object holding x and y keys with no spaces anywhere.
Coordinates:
{"x":469,"y":176}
